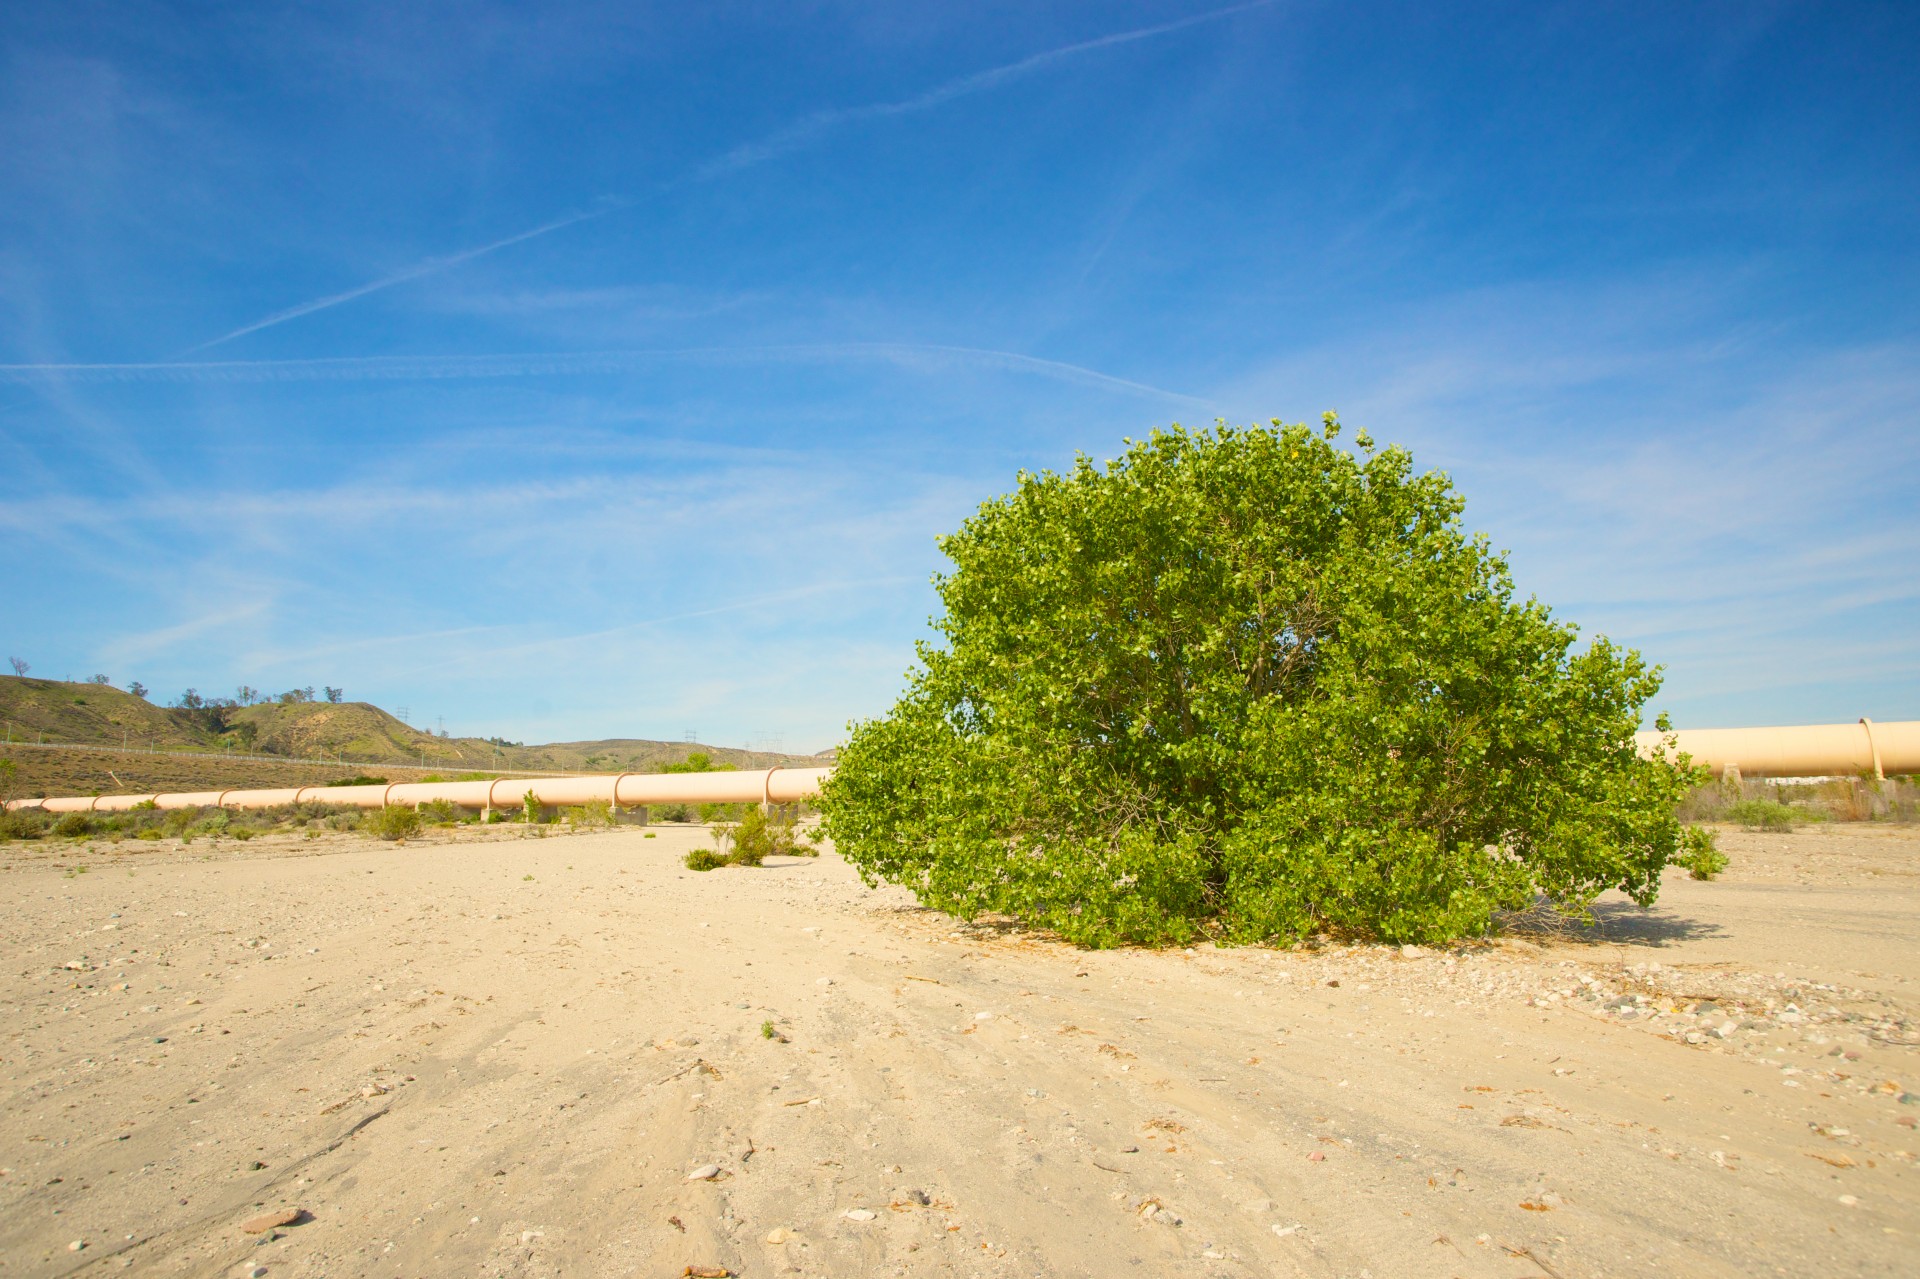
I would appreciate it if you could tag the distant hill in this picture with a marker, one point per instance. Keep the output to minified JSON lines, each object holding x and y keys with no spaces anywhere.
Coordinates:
{"x":352,"y":732}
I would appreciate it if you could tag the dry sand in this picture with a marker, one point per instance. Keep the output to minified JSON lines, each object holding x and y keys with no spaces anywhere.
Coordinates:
{"x":504,"y":1056}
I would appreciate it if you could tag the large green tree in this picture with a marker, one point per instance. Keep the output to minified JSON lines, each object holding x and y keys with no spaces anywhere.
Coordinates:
{"x":1244,"y":683}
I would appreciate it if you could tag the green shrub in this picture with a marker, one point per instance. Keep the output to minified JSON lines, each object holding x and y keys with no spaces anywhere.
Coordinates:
{"x":1243,"y":683}
{"x":394,"y":821}
{"x":705,"y":859}
{"x":1700,"y":853}
{"x":760,"y":836}
{"x":24,"y":823}
{"x":439,"y":812}
{"x":595,"y":812}
{"x":669,"y":813}
{"x":531,"y":810}
{"x":72,"y":825}
{"x":1763,"y":814}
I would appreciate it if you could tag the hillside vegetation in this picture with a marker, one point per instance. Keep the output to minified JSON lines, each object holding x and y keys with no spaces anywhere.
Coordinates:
{"x":354,"y":733}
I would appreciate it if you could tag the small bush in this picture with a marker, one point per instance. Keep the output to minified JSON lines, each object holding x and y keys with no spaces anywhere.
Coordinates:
{"x":24,"y":823}
{"x":1763,"y":814}
{"x":439,"y":812}
{"x":706,"y":859}
{"x":595,"y":812}
{"x":670,"y":813}
{"x":395,"y":821}
{"x":767,"y":836}
{"x":531,"y":810}
{"x":72,"y":825}
{"x":1700,"y":853}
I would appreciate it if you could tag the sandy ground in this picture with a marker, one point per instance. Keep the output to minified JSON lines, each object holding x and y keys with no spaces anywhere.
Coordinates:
{"x":504,"y":1056}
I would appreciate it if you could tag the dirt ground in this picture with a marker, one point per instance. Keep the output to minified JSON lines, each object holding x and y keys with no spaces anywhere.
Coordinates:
{"x":486,"y":1054}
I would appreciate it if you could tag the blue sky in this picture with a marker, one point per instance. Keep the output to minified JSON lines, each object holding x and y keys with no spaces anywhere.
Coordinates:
{"x":564,"y":371}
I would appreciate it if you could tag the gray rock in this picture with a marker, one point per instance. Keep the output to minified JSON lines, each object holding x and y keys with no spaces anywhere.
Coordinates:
{"x":705,"y":1172}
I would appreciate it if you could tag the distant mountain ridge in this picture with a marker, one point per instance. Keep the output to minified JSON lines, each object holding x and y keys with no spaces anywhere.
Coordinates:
{"x":355,"y":732}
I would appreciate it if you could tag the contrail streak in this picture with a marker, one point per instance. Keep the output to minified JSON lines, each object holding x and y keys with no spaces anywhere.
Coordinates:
{"x":428,"y":266}
{"x":801,"y":132}
{"x":780,"y":142}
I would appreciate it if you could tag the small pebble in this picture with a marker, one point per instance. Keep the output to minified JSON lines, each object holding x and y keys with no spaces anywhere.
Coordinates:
{"x":705,"y":1172}
{"x":859,"y":1214}
{"x":777,"y":1235}
{"x":76,"y":1245}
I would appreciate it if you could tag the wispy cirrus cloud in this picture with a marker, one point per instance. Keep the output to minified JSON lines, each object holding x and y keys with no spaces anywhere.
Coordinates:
{"x":140,"y":646}
{"x":924,"y":355}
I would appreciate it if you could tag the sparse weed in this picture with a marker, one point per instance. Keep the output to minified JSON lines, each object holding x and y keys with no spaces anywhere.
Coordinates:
{"x":767,"y":1031}
{"x":394,"y":821}
{"x":595,"y":812}
{"x":1700,"y":853}
{"x":1764,"y":814}
{"x":705,"y":859}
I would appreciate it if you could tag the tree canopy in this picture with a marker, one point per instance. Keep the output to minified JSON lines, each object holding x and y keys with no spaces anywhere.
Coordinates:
{"x":1246,"y":684}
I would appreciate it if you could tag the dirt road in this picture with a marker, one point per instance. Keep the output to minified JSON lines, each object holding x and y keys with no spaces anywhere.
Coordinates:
{"x":507,"y":1057}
